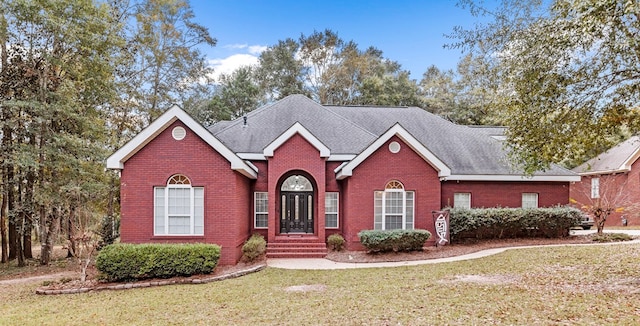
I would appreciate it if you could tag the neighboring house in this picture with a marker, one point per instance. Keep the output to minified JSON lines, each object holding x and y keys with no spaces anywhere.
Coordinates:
{"x":296,"y":171}
{"x":614,"y":177}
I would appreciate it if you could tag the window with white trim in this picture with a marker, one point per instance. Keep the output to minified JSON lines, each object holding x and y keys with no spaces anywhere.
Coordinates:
{"x":261,"y":210}
{"x":462,"y":200}
{"x":393,"y":207}
{"x":595,"y":188}
{"x":179,"y":208}
{"x":529,"y":200}
{"x":331,"y":209}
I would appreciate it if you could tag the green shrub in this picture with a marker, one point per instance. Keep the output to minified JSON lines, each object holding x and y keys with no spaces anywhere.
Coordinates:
{"x":393,"y":240}
{"x":611,"y":237}
{"x":335,"y":242}
{"x":122,"y":262}
{"x":254,"y":248}
{"x":492,"y":223}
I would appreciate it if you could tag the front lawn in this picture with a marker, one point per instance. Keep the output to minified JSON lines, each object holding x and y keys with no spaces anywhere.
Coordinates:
{"x":542,"y":286}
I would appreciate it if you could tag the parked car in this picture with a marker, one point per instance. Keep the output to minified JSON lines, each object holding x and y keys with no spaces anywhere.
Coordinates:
{"x":586,"y":222}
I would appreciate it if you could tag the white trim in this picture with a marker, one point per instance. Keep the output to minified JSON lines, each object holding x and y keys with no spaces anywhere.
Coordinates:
{"x":117,"y":159}
{"x":261,"y":157}
{"x":297,"y":128}
{"x":497,"y":177}
{"x":407,"y":138}
{"x":255,"y":168}
{"x":252,"y":156}
{"x":604,"y":172}
{"x":341,"y":157}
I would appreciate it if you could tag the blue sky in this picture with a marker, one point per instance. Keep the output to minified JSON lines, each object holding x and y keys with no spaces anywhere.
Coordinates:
{"x":410,"y":32}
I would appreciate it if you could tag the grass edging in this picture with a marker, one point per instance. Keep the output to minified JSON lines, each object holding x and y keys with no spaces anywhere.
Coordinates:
{"x":126,"y":286}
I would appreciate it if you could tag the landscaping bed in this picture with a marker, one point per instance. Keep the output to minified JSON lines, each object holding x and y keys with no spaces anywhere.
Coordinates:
{"x":466,"y":247}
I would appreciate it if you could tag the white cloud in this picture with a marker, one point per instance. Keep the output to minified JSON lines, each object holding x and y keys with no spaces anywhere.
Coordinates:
{"x":229,"y":64}
{"x":257,"y":49}
{"x":235,"y":46}
{"x":242,"y":55}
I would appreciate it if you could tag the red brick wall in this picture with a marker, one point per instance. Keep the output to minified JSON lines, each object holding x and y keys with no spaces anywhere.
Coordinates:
{"x":623,"y":189}
{"x":296,"y":154}
{"x":507,"y":193}
{"x":373,"y":174}
{"x":226,"y":192}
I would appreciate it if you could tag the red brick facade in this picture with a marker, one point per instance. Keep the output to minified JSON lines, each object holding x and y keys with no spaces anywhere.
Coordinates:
{"x":296,"y":156}
{"x":374,"y":173}
{"x":505,"y":193}
{"x":621,"y":189}
{"x":229,"y":195}
{"x":226,"y":193}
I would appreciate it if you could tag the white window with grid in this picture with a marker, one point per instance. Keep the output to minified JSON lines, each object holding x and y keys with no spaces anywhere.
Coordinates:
{"x":393,"y":207}
{"x":178,"y":208}
{"x":595,"y":188}
{"x":331,"y":215}
{"x":261,"y":210}
{"x":529,"y":200}
{"x":462,"y":200}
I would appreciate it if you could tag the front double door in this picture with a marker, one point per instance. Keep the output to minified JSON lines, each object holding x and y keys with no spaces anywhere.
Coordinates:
{"x":296,"y":213}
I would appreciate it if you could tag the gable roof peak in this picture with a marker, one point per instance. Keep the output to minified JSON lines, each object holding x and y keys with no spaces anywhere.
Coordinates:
{"x":175,"y":113}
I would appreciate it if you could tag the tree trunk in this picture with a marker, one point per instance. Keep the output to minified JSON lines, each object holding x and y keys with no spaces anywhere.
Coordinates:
{"x":53,"y":221}
{"x":13,"y":232}
{"x":3,"y":229}
{"x":72,"y":248}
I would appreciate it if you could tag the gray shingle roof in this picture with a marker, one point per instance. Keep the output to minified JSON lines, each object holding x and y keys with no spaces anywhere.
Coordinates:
{"x":351,"y":129}
{"x":612,"y":160}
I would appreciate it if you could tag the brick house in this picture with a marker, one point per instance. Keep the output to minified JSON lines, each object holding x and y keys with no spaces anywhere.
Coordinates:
{"x":612,"y":176}
{"x":296,"y":172}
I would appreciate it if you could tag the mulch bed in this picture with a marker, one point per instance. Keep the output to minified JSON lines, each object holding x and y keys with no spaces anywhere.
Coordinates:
{"x":457,"y":249}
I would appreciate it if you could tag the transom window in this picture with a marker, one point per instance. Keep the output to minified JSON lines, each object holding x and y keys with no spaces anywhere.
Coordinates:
{"x":178,"y":208}
{"x":393,"y":207}
{"x":296,"y":183}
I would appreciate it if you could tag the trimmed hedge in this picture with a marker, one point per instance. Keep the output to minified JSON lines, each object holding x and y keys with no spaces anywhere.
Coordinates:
{"x":124,"y":262}
{"x":393,"y":240}
{"x":496,"y":223}
{"x":335,"y":242}
{"x":253,"y":248}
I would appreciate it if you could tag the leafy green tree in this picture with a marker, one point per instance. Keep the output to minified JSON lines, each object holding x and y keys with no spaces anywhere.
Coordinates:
{"x":439,"y":91}
{"x":570,"y":74}
{"x":237,"y":94}
{"x":56,"y":75}
{"x":280,"y":73}
{"x":160,"y":64}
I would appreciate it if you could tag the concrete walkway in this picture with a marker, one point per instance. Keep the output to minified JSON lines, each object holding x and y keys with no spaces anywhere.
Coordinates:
{"x":325,"y":264}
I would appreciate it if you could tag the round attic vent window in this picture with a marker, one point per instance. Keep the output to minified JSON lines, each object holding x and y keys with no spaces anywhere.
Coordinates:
{"x":394,"y":147}
{"x":178,"y":133}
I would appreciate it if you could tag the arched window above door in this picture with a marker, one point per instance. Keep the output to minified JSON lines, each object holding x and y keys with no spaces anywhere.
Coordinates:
{"x":296,"y":183}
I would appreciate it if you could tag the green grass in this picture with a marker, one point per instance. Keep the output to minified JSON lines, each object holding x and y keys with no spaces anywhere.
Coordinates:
{"x":544,"y":286}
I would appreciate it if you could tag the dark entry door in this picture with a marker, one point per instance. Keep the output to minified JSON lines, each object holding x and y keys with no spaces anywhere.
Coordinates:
{"x":296,"y":213}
